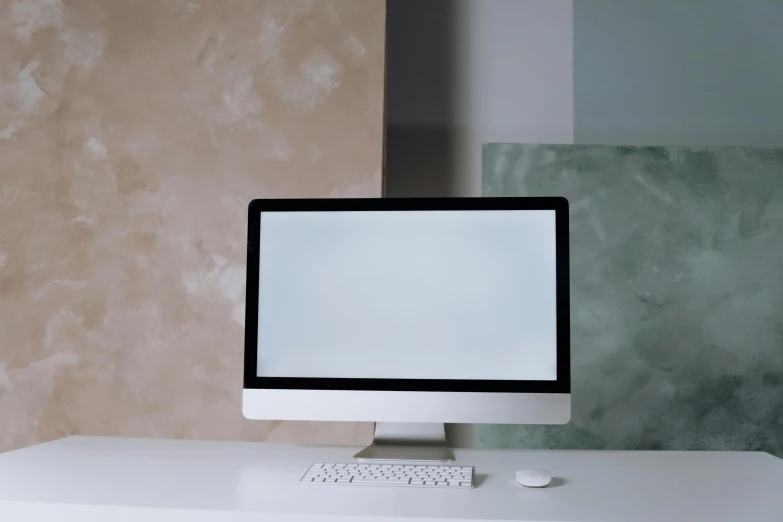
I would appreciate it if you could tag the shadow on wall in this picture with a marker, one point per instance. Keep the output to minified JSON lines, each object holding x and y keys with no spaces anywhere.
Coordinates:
{"x":421,"y":53}
{"x":677,"y":294}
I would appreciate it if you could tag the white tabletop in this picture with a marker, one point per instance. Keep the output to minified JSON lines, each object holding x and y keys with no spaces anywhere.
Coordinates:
{"x":96,"y":478}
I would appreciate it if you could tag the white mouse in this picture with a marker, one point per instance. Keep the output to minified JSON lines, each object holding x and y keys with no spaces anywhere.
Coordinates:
{"x":534,"y":478}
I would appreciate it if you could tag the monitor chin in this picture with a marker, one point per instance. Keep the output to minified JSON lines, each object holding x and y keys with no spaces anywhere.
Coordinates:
{"x":407,"y":406}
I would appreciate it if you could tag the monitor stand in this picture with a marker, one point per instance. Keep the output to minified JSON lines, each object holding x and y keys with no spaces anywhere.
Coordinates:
{"x":408,"y":442}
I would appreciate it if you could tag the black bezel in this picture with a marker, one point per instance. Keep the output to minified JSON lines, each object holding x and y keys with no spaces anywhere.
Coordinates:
{"x":561,"y":385}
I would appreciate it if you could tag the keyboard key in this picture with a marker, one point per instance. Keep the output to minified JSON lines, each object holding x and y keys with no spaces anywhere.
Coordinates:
{"x":382,"y":481}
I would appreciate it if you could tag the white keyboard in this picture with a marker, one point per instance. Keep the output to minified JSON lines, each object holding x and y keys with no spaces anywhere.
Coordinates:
{"x":419,"y":476}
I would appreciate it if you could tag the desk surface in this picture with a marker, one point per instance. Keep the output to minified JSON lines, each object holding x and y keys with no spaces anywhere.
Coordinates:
{"x":97,"y":478}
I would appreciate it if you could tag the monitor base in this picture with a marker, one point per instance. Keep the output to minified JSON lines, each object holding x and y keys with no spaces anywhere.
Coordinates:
{"x":408,"y":442}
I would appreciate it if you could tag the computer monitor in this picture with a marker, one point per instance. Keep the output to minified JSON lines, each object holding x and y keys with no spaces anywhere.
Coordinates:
{"x":415,"y":311}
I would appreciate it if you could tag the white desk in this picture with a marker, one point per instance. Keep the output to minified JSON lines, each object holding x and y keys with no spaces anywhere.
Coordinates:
{"x":82,"y":479}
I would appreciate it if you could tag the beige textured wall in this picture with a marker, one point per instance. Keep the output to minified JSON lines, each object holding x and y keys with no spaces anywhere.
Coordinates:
{"x":132,"y":135}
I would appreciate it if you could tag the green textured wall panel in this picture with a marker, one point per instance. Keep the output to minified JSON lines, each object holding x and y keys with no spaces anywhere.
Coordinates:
{"x":677,"y":293}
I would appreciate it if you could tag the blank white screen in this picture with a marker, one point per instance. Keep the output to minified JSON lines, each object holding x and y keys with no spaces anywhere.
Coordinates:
{"x":408,"y":295}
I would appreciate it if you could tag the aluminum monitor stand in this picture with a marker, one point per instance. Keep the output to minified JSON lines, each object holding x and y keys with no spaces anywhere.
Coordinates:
{"x":408,"y":442}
